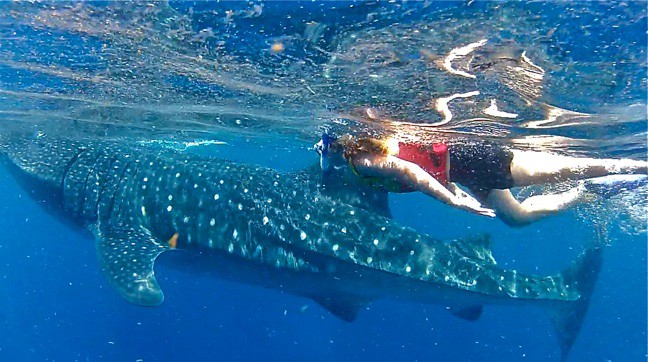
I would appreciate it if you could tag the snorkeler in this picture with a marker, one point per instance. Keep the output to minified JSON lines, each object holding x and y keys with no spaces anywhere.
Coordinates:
{"x":488,"y":170}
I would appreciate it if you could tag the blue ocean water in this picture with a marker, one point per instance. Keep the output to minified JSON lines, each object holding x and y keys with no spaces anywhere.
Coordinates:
{"x":56,"y":305}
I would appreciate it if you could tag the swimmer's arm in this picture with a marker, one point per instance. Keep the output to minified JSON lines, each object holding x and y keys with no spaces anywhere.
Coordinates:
{"x":413,"y":175}
{"x":404,"y":172}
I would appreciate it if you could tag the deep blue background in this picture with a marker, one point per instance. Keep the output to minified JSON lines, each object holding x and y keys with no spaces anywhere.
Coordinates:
{"x":56,"y":305}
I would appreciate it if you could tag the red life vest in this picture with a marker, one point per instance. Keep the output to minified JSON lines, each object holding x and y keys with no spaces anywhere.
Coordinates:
{"x":432,"y":158}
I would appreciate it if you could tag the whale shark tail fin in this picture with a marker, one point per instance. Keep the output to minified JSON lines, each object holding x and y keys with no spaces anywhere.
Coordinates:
{"x":568,"y":317}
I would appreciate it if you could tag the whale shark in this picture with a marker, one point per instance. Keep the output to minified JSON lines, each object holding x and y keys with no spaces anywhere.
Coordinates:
{"x":329,"y":240}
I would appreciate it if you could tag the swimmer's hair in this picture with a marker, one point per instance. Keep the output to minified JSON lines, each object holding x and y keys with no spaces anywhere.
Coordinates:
{"x":351,"y":146}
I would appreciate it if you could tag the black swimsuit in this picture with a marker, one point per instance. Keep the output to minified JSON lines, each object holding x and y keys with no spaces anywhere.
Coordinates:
{"x":481,"y":166}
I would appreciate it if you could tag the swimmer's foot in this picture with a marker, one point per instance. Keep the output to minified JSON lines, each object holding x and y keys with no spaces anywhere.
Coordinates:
{"x":608,"y":186}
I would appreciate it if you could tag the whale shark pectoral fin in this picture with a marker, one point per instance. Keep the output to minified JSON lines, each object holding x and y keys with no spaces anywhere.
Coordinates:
{"x":471,"y":313}
{"x":126,"y":256}
{"x":345,"y":307}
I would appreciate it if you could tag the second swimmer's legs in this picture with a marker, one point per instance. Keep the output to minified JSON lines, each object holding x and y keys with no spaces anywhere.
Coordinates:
{"x":533,"y":168}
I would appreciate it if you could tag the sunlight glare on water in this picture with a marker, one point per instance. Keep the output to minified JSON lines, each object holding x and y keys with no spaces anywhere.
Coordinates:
{"x":204,"y":71}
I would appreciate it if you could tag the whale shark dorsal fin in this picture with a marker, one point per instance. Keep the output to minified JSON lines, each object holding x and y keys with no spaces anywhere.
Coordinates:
{"x":344,"y":307}
{"x":126,"y":256}
{"x":476,"y":248}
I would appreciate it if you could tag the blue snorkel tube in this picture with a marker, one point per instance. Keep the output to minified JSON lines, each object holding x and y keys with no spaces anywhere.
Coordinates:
{"x":326,"y":143}
{"x":322,"y":148}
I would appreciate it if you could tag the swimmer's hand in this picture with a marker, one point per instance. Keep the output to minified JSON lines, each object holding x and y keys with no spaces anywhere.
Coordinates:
{"x":465,"y":201}
{"x":476,"y":209}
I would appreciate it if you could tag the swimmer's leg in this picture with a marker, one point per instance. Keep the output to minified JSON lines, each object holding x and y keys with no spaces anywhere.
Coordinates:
{"x":533,"y":168}
{"x":516,"y":214}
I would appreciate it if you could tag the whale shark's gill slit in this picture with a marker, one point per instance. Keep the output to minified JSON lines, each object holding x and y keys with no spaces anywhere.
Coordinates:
{"x":85,"y":189}
{"x":118,"y":182}
{"x":69,"y":166}
{"x":103,"y":185}
{"x":91,"y":172}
